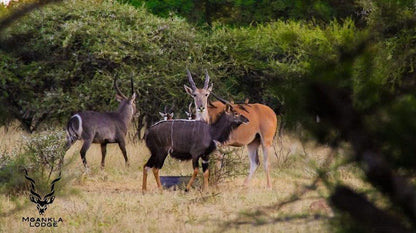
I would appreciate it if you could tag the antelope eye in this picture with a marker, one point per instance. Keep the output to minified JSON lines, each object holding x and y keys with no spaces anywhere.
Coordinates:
{"x":194,"y":95}
{"x":206,"y":94}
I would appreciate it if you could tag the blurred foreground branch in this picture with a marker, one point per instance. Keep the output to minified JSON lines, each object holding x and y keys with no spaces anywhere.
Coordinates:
{"x":4,"y":23}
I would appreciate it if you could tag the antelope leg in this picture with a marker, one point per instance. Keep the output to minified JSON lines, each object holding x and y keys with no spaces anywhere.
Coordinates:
{"x":157,"y":177}
{"x":191,"y":181}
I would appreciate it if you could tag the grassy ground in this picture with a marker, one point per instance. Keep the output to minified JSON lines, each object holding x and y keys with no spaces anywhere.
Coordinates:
{"x":111,"y":200}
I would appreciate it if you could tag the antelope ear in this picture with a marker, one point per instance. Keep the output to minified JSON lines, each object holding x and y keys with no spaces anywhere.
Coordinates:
{"x":210,"y":87}
{"x":173,"y":114}
{"x":119,"y":98}
{"x":162,"y":114}
{"x":188,"y":90}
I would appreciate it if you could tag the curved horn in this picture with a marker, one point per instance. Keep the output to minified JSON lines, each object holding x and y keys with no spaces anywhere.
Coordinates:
{"x":206,"y":83}
{"x":118,"y":90}
{"x":164,"y":109}
{"x":171,"y":109}
{"x":190,"y":107}
{"x":220,"y":99}
{"x":131,"y":84}
{"x":191,"y":81}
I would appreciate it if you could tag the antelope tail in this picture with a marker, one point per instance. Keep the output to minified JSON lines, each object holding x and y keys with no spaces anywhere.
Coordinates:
{"x":73,"y":130}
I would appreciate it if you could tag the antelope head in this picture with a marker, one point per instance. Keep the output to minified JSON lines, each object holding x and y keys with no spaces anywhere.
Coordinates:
{"x":41,"y":203}
{"x":167,"y":114}
{"x":190,"y":114}
{"x":200,"y":96}
{"x":127,"y":104}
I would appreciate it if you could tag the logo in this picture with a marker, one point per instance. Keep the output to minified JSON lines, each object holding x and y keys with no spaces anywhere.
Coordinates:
{"x":41,"y":203}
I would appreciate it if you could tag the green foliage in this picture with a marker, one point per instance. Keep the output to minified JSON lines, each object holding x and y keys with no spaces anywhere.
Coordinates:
{"x":366,"y":97}
{"x":46,"y":151}
{"x":226,"y":163}
{"x":244,"y":13}
{"x":64,"y":59}
{"x":68,"y":56}
{"x":12,"y":178}
{"x":41,"y":155}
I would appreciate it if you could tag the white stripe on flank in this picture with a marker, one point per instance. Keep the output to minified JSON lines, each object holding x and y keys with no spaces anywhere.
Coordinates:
{"x":171,"y":121}
{"x":79,"y":131}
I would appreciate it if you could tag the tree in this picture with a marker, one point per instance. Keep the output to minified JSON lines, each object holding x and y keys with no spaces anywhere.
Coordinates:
{"x":367,"y":98}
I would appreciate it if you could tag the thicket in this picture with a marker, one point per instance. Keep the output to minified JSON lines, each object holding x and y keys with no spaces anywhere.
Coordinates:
{"x":41,"y":155}
{"x":366,"y":98}
{"x":244,"y":13}
{"x":64,"y":58}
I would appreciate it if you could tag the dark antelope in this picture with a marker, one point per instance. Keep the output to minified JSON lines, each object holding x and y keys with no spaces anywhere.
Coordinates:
{"x":167,"y":115}
{"x":260,"y":130}
{"x":190,"y":114}
{"x":103,"y":127}
{"x":41,"y":203}
{"x":188,"y":140}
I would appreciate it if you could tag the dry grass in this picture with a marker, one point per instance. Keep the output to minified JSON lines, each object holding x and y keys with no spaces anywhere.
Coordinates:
{"x":111,"y":200}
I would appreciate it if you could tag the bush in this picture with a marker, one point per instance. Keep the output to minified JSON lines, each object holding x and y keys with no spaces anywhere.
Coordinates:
{"x":226,"y":163}
{"x":41,"y":155}
{"x":65,"y":57}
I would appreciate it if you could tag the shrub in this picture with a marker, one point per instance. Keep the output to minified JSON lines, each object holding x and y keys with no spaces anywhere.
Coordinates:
{"x":41,"y":155}
{"x":226,"y":163}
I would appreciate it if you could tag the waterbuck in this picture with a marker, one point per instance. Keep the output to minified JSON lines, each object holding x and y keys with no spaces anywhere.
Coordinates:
{"x":260,"y":130}
{"x":188,"y":140}
{"x":167,"y":114}
{"x":103,"y":127}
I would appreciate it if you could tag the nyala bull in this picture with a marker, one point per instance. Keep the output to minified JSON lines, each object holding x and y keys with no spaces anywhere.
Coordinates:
{"x":188,"y":140}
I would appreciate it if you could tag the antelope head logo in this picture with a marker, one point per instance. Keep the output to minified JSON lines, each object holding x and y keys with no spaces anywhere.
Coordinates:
{"x":41,"y":203}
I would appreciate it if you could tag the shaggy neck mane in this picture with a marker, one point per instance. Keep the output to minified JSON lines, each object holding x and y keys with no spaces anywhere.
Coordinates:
{"x":221,"y":129}
{"x":125,"y":112}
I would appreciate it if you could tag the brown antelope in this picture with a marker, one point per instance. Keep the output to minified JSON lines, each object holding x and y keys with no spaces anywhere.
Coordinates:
{"x":103,"y":127}
{"x":167,"y":115}
{"x":260,"y":130}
